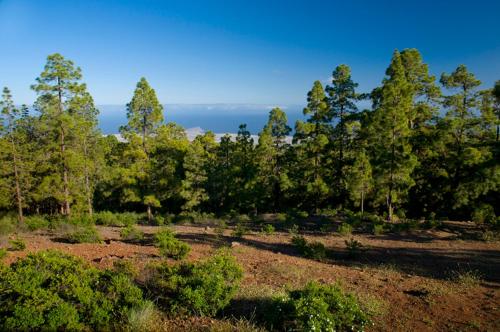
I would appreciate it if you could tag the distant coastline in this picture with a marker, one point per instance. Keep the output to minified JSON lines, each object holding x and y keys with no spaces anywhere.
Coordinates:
{"x":218,"y":118}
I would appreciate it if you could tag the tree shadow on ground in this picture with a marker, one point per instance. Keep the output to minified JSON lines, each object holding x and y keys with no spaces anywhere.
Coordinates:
{"x":433,"y":263}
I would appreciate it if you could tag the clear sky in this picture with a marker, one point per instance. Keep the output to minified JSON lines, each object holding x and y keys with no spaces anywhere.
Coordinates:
{"x":234,"y":51}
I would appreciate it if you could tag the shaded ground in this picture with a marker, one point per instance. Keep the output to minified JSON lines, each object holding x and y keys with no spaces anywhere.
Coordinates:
{"x":406,"y":279}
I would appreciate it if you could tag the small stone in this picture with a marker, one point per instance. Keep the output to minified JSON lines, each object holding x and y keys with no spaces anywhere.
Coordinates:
{"x":235,"y":244}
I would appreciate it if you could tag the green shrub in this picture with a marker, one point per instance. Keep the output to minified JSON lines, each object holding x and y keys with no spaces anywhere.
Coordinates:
{"x":79,"y":220}
{"x":17,"y":244}
{"x":484,"y":214}
{"x":169,"y":246}
{"x":268,"y":229}
{"x":126,"y":267}
{"x":131,"y":218}
{"x":294,"y":229}
{"x":7,"y":225}
{"x":131,"y":233}
{"x":83,"y":234}
{"x":345,"y":229}
{"x":220,"y":228}
{"x":160,"y":221}
{"x":431,"y":223}
{"x":202,"y":288}
{"x":3,"y":253}
{"x":107,"y":218}
{"x":353,"y":247}
{"x":313,"y":250}
{"x":36,"y":222}
{"x":52,"y":291}
{"x":320,"y":308}
{"x":378,"y":229}
{"x":240,"y":230}
{"x":489,"y":235}
{"x":329,"y":212}
{"x":144,"y":318}
{"x":299,"y":242}
{"x":242,"y":218}
{"x":281,"y":217}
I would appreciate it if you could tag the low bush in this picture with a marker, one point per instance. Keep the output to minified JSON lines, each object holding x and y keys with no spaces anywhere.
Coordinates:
{"x":268,"y":229}
{"x":8,"y":225}
{"x":242,"y":218}
{"x":220,"y":228}
{"x":126,"y":267}
{"x":484,"y":213}
{"x":194,"y":217}
{"x":313,"y":250}
{"x":17,"y":244}
{"x":160,"y":221}
{"x":83,"y":234}
{"x":202,"y":288}
{"x":466,"y":278}
{"x":240,"y":230}
{"x":36,"y":222}
{"x":490,"y":235}
{"x":431,"y":223}
{"x":53,"y":291}
{"x":169,"y":246}
{"x":79,"y":220}
{"x":353,"y":247}
{"x":3,"y":253}
{"x":294,"y":229}
{"x":107,"y":218}
{"x":378,"y":229}
{"x":281,"y":217}
{"x":144,"y":318}
{"x":319,"y":308}
{"x":131,"y":233}
{"x":345,"y":229}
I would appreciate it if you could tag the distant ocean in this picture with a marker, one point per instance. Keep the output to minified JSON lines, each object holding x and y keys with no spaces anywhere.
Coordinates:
{"x":219,"y":118}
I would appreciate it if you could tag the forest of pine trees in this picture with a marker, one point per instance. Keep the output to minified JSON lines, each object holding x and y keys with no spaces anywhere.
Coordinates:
{"x":428,"y":148}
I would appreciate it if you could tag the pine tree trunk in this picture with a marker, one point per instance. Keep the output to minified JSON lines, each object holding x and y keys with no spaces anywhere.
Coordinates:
{"x":150,"y":214}
{"x":87,"y":180}
{"x":362,"y":202}
{"x":65,"y":208}
{"x":391,"y":178}
{"x":18,"y":189}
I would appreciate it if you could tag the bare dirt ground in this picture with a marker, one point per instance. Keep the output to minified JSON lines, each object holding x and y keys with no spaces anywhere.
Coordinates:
{"x":407,"y":280}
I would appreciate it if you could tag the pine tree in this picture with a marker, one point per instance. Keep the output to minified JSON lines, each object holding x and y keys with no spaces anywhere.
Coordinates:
{"x":468,"y":161}
{"x":58,"y":87}
{"x":496,"y":94}
{"x":313,"y":137}
{"x":10,"y":135}
{"x":342,"y":97}
{"x":244,"y":170}
{"x":197,"y":161}
{"x":271,"y":156}
{"x":144,"y":114}
{"x":359,"y":179}
{"x":392,"y":156}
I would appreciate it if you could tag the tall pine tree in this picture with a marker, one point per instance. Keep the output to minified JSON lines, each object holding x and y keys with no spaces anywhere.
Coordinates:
{"x":393,"y":160}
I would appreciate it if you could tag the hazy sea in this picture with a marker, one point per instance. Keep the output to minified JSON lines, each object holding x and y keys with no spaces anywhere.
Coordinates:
{"x":219,"y":118}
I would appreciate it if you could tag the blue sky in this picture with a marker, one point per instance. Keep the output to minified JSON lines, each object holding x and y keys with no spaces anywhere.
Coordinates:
{"x":261,"y":52}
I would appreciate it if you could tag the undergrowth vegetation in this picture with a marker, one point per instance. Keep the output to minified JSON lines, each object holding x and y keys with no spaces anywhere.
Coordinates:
{"x":54,"y":291}
{"x":319,"y":307}
{"x":314,"y":250}
{"x":201,"y":288}
{"x":169,"y":246}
